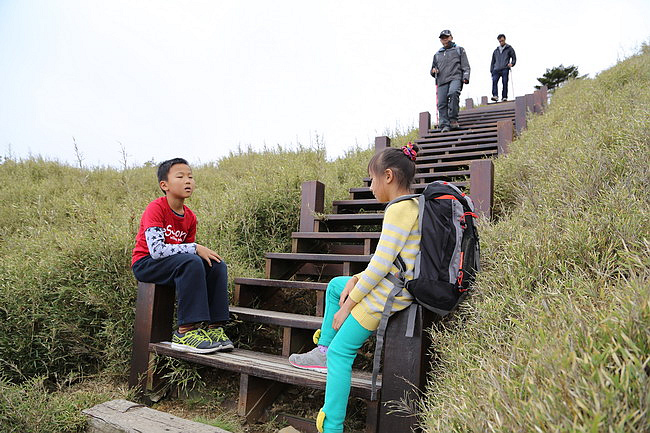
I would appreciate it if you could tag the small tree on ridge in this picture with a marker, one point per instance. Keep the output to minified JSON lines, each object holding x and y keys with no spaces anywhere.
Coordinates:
{"x":553,"y":77}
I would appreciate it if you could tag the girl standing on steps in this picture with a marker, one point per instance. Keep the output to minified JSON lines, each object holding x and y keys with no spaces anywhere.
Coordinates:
{"x":354,"y":305}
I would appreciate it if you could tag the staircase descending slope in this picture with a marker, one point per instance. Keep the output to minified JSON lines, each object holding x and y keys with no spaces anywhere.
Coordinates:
{"x":341,"y":243}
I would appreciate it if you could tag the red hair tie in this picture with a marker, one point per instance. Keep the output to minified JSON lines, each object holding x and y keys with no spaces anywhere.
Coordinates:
{"x":409,"y":151}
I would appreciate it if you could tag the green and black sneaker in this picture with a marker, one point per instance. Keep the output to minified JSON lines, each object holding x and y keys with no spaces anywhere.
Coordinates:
{"x":195,"y":341}
{"x":218,"y":336}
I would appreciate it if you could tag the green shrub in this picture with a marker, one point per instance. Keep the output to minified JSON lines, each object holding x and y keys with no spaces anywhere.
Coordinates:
{"x":33,"y":407}
{"x":67,"y":234}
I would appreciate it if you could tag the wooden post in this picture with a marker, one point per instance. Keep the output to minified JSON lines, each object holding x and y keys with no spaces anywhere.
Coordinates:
{"x":504,"y":136}
{"x":484,"y":100}
{"x":312,"y":200}
{"x":530,"y":102}
{"x":381,"y":143}
{"x":520,"y":114}
{"x":154,"y":312}
{"x":255,"y":395}
{"x":469,"y":103}
{"x":425,"y":124}
{"x":406,"y":363}
{"x":544,"y":92}
{"x":537,"y":102}
{"x":481,"y":186}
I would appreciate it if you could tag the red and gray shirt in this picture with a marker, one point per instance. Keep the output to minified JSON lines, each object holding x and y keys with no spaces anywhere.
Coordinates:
{"x":163,"y":232}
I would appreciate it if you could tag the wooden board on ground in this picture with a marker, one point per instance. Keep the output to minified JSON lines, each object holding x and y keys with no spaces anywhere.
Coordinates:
{"x":122,"y":416}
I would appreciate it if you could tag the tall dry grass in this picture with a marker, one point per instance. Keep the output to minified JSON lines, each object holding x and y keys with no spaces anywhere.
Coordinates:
{"x":557,"y":336}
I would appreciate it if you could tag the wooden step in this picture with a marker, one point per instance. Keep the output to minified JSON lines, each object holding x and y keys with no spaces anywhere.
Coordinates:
{"x":458,"y":143}
{"x":432,"y":176}
{"x":254,"y":291}
{"x":458,"y":150}
{"x":265,"y":366}
{"x":459,"y":140}
{"x":321,"y":258}
{"x":489,"y":108}
{"x":441,"y":166}
{"x":348,"y":206}
{"x":489,"y":150}
{"x":363,"y":192}
{"x":278,"y":318}
{"x":335,"y":242}
{"x":331,"y":220}
{"x":336,"y":236}
{"x":280,"y":284}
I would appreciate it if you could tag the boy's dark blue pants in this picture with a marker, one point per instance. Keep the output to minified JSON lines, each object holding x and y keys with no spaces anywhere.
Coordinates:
{"x":201,"y":290}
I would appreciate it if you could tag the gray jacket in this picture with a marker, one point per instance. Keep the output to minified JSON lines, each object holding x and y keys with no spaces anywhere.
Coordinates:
{"x":451,"y":63}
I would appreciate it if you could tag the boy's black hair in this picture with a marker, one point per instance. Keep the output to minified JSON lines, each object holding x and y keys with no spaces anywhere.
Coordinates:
{"x":395,"y":159}
{"x":165,"y":166}
{"x":501,"y":35}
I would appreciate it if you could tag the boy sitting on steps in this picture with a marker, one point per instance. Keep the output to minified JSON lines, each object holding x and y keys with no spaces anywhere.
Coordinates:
{"x":165,"y":253}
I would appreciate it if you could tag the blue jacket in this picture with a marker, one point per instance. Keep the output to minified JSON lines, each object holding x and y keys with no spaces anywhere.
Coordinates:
{"x":500,"y":59}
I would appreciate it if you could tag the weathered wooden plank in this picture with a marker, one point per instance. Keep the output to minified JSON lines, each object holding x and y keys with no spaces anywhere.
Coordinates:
{"x":327,"y":258}
{"x":266,"y":366}
{"x":276,"y":318}
{"x":122,"y":416}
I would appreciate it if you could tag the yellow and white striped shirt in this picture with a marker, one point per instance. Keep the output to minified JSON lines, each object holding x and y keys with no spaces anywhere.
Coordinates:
{"x":400,"y":234}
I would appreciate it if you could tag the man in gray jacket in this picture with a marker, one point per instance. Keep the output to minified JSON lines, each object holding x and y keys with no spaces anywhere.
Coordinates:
{"x":503,"y":58}
{"x":451,"y":70}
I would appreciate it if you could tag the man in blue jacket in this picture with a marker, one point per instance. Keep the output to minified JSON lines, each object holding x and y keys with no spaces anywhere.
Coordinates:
{"x":503,"y":58}
{"x":451,"y":70}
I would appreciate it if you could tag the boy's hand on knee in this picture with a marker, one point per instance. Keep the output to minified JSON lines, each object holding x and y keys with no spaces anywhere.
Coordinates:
{"x":347,"y":289}
{"x":207,"y":254}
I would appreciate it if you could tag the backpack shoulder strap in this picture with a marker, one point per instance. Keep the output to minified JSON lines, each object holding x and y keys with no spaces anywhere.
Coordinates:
{"x":402,"y":198}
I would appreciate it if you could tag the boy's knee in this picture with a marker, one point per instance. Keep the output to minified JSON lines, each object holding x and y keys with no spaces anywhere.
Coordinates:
{"x":192,"y":261}
{"x":218,"y":267}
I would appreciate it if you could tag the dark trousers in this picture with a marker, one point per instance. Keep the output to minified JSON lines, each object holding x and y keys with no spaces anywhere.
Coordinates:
{"x":201,"y":290}
{"x":448,"y":101}
{"x":503,"y":74}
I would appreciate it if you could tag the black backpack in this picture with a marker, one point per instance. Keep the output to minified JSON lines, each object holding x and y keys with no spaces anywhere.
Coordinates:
{"x":449,"y":248}
{"x":447,"y":263}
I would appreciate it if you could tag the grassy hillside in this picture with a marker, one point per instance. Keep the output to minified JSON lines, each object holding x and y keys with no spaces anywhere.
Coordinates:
{"x":554,"y":339}
{"x":557,"y":336}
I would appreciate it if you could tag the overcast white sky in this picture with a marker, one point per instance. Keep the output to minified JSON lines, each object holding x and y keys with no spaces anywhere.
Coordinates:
{"x":198,"y":78}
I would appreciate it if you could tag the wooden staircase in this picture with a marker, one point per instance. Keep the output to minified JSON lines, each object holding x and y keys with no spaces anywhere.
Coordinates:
{"x":327,"y":245}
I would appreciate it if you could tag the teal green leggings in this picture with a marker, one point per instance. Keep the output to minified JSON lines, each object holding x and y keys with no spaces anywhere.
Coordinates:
{"x":343,"y":345}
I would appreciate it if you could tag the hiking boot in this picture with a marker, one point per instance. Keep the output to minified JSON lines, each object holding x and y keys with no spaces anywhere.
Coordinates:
{"x":219,"y":337}
{"x":195,"y":341}
{"x":495,"y":98}
{"x":445,"y":129}
{"x":454,"y":125}
{"x":314,"y":360}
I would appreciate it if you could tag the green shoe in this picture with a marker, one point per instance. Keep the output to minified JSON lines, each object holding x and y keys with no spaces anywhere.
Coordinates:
{"x":195,"y":341}
{"x":219,"y":337}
